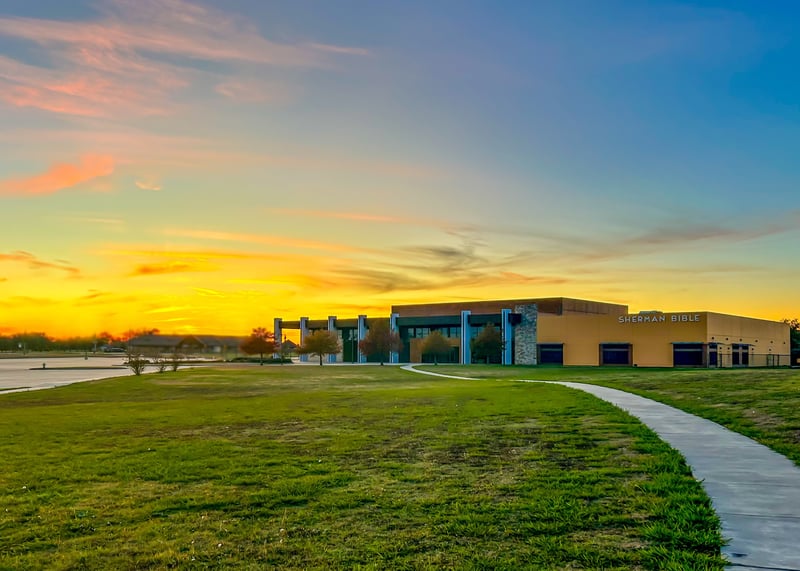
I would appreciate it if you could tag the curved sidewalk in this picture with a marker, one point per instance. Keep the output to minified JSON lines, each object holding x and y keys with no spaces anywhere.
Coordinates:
{"x":755,"y":491}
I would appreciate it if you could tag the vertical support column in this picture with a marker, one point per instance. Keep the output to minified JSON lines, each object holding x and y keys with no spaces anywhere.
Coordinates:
{"x":508,"y":333}
{"x":525,"y":335}
{"x":303,"y":335}
{"x":332,"y":329}
{"x":277,"y":330}
{"x":362,"y":332}
{"x":466,"y":337}
{"x":394,"y":356}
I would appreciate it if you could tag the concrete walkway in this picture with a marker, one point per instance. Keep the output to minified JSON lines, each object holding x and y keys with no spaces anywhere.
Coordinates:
{"x":755,"y":491}
{"x":19,"y":375}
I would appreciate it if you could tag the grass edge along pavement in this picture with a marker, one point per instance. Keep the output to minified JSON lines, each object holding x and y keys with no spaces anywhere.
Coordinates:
{"x":762,"y":404}
{"x":339,"y":467}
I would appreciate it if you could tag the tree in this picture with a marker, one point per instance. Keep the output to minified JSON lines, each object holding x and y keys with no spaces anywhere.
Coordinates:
{"x":260,"y":341}
{"x":175,"y":359}
{"x":135,"y":361}
{"x":380,"y":341}
{"x":320,"y":343}
{"x":488,"y":345}
{"x":131,"y":333}
{"x":436,"y":346}
{"x":155,"y":358}
{"x":31,"y":342}
{"x":284,"y":349}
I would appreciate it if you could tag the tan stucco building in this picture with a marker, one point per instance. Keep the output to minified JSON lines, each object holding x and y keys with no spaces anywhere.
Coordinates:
{"x":655,"y":339}
{"x":566,"y":331}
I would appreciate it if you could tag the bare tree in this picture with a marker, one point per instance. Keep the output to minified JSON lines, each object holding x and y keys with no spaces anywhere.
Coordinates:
{"x":175,"y":360}
{"x":136,"y":362}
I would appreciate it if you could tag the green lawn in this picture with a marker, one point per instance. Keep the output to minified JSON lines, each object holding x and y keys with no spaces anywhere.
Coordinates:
{"x":339,"y":467}
{"x":763,"y":404}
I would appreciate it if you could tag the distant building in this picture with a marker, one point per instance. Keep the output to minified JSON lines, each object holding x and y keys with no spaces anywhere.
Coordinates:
{"x":187,"y":344}
{"x":565,"y":331}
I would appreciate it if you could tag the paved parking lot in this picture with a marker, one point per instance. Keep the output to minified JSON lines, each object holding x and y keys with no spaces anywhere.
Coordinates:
{"x":28,"y":374}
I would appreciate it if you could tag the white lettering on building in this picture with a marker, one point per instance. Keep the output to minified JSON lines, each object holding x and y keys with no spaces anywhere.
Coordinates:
{"x":660,"y":318}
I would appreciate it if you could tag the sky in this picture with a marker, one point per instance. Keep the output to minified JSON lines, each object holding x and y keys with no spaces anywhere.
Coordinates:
{"x":205,"y":166}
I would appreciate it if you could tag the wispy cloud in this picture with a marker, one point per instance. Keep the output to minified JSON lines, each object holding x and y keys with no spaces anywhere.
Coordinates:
{"x":36,"y":263}
{"x":78,"y":86}
{"x":138,"y":52}
{"x":148,"y":185}
{"x":207,"y":292}
{"x":265,"y":239}
{"x":350,"y":216}
{"x":252,"y":91}
{"x":686,"y":235}
{"x":168,"y":309}
{"x":193,"y":255}
{"x":171,"y":268}
{"x":163,"y":152}
{"x":101,"y":220}
{"x":59,"y":176}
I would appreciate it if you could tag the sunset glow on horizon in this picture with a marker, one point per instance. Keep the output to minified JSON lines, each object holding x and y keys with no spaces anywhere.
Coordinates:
{"x":204,"y":166}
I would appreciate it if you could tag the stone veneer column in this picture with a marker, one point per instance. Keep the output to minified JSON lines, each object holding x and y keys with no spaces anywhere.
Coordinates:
{"x":525,"y":335}
{"x":466,"y":337}
{"x":303,"y":335}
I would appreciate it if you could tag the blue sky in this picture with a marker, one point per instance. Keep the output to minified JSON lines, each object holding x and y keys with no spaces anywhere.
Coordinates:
{"x":376,"y":153}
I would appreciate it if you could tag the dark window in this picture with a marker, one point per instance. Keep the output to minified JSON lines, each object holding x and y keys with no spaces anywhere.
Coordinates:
{"x":349,"y":345}
{"x":551,"y":353}
{"x":740,"y":354}
{"x":688,"y":355}
{"x":713,"y":360}
{"x":418,"y":332}
{"x":615,"y":354}
{"x":448,"y":331}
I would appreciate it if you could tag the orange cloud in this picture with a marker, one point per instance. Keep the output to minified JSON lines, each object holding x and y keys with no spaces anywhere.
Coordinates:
{"x":86,"y":89}
{"x":59,"y":177}
{"x":170,"y":268}
{"x":175,"y":27}
{"x":115,"y":63}
{"x":42,"y":98}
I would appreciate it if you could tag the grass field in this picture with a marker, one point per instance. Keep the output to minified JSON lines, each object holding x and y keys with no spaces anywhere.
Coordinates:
{"x":763,"y":404}
{"x":339,"y":467}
